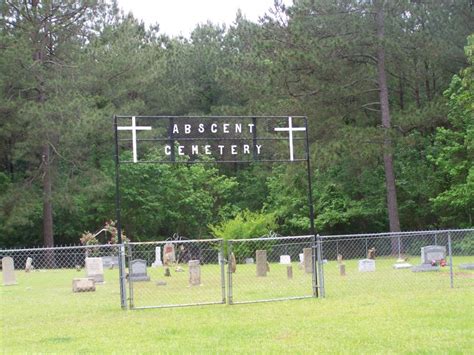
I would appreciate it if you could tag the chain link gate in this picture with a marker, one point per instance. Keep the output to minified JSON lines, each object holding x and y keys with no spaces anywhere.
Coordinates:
{"x":271,"y":268}
{"x":175,"y":273}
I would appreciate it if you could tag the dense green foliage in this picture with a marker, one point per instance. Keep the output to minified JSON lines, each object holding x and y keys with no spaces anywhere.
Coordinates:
{"x":61,"y":82}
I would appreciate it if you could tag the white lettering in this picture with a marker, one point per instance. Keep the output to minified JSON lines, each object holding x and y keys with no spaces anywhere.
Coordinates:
{"x":251,"y":125}
{"x":181,"y":150}
{"x":207,"y":149}
{"x":167,"y":150}
{"x":221,"y":149}
{"x":246,"y":149}
{"x":238,"y":128}
{"x":258,"y":148}
{"x":225,"y":128}
{"x":233,"y":149}
{"x":187,"y":128}
{"x":175,"y":128}
{"x":201,"y":128}
{"x":195,"y":149}
{"x":214,"y":128}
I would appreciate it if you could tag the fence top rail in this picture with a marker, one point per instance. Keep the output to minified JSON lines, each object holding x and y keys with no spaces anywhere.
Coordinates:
{"x":395,"y":234}
{"x":59,"y":248}
{"x":176,"y":241}
{"x":272,"y":238}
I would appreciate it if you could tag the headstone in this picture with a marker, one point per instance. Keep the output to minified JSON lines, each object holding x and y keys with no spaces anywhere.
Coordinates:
{"x":308,"y":260}
{"x":194,"y":273}
{"x":432,"y":253}
{"x":339,"y":258}
{"x":400,"y":266}
{"x":289,"y":272}
{"x":29,"y":264}
{"x":249,"y":260}
{"x":157,"y":261}
{"x":285,"y":259}
{"x":469,"y":266}
{"x":342,"y":269}
{"x":261,"y":257}
{"x":83,"y":284}
{"x":110,"y":262}
{"x":424,"y":268}
{"x":8,"y":271}
{"x":169,"y":254}
{"x":371,"y":253}
{"x":138,"y":271}
{"x":167,"y":272}
{"x":301,"y":256}
{"x":232,"y":263}
{"x":366,"y":265}
{"x":95,"y":269}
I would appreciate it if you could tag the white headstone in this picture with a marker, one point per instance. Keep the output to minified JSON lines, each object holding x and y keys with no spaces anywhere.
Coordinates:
{"x":157,"y":261}
{"x":8,"y":271}
{"x":249,"y":260}
{"x":301,"y":255}
{"x":285,"y":259}
{"x":366,"y":265}
{"x":399,"y":266}
{"x":29,"y":264}
{"x":95,"y":269}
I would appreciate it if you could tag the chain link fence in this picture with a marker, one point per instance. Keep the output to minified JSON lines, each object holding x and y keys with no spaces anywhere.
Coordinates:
{"x":397,"y":262}
{"x":175,"y":273}
{"x":271,"y":268}
{"x":55,"y":269}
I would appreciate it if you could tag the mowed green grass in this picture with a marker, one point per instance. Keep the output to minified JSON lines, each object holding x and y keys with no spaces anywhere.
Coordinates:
{"x":389,"y":311}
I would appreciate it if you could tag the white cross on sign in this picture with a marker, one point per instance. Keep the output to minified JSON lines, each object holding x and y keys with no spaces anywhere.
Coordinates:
{"x":134,"y":128}
{"x":290,"y":129}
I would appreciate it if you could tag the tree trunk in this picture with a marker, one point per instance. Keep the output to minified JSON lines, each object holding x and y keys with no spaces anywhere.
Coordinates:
{"x":47,"y":198}
{"x":386,"y":124}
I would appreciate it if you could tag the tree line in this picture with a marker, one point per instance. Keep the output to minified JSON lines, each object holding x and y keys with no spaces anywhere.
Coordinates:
{"x":387,"y":87}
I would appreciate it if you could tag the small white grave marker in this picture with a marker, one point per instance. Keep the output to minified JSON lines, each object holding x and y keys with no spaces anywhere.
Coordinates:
{"x":95,"y":269}
{"x":157,"y":261}
{"x":285,"y":259}
{"x":366,"y":265}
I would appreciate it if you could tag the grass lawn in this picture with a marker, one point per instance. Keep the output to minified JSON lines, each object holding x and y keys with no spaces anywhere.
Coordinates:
{"x":389,"y":311}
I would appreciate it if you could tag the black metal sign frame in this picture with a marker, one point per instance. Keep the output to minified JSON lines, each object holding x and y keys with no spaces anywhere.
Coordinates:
{"x":171,"y":140}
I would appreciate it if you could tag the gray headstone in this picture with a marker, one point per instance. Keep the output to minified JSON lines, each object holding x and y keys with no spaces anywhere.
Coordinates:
{"x":342,"y":269}
{"x":289,"y":271}
{"x":83,"y":285}
{"x":110,"y":262}
{"x":138,"y":270}
{"x":8,"y":271}
{"x":366,"y":265}
{"x":194,"y":273}
{"x":29,"y":264}
{"x":432,"y":253}
{"x":468,"y":266}
{"x":308,"y":260}
{"x":249,"y":260}
{"x":261,"y":257}
{"x":157,"y":261}
{"x":95,"y":269}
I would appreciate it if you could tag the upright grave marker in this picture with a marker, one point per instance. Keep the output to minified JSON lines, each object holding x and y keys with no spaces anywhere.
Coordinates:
{"x":8,"y":271}
{"x":262,"y":267}
{"x":95,"y":269}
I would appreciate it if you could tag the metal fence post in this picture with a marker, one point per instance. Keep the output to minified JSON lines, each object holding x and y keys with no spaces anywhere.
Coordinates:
{"x":229,"y":273}
{"x":322,"y":291}
{"x":130,"y":282}
{"x":451,"y":275}
{"x":122,"y":277}
{"x":222,"y":265}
